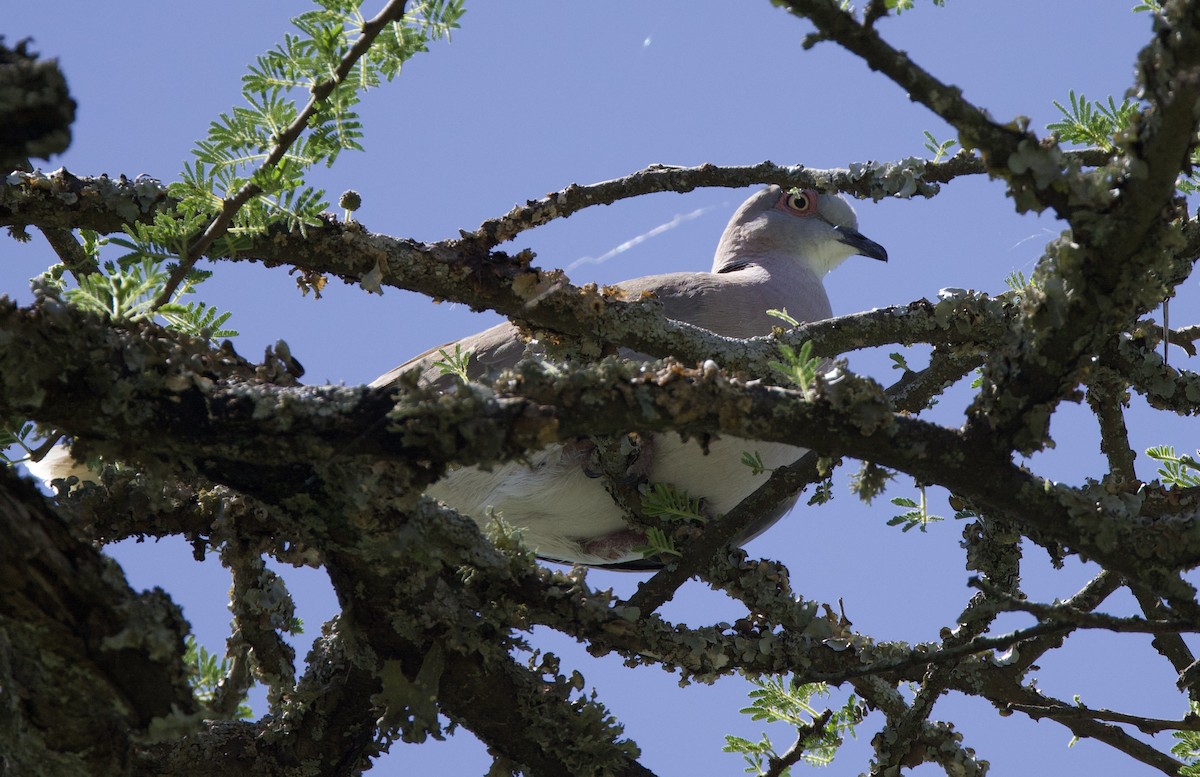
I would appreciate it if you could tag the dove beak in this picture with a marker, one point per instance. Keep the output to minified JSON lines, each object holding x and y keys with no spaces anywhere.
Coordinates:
{"x":861,"y":244}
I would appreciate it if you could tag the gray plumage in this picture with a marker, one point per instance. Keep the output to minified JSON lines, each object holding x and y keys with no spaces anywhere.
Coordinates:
{"x":773,"y":255}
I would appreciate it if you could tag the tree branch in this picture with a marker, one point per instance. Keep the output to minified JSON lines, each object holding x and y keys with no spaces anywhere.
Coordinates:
{"x":67,"y":247}
{"x":1171,"y":645}
{"x":1143,"y":724}
{"x":1107,"y":398}
{"x":907,"y":178}
{"x":1003,"y":690}
{"x":71,"y":629}
{"x":381,"y":582}
{"x":219,"y":428}
{"x":1120,"y":260}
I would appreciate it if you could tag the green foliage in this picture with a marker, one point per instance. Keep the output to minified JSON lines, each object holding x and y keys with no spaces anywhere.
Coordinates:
{"x":1017,"y":282}
{"x":657,"y":544}
{"x":822,"y":493}
{"x":870,"y":481}
{"x":800,"y":367}
{"x":205,"y":673}
{"x":1190,"y":184}
{"x":171,"y":233}
{"x":1187,"y":748}
{"x":18,"y":435}
{"x":1154,"y":6}
{"x":758,"y":755}
{"x":917,"y":516}
{"x":939,"y":149}
{"x":900,"y":6}
{"x":126,"y":290}
{"x":754,"y":462}
{"x":454,"y":363}
{"x":1093,"y":124}
{"x":118,"y":293}
{"x":779,"y":700}
{"x":251,"y":166}
{"x":196,"y":319}
{"x":899,"y":362}
{"x":663,"y":500}
{"x":1181,"y":471}
{"x":783,"y":316}
{"x":241,"y":144}
{"x":92,"y":242}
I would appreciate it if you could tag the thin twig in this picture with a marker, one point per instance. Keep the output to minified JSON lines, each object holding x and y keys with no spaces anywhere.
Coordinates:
{"x":1033,"y":641}
{"x":806,"y":733}
{"x":1065,"y":614}
{"x":866,"y":181}
{"x":784,"y":481}
{"x":942,"y":743}
{"x":1087,"y":598}
{"x":232,"y":688}
{"x":1067,"y":712}
{"x":1155,"y":333}
{"x":67,"y":247}
{"x":1008,"y":693}
{"x":941,"y":656}
{"x":1166,"y":332}
{"x":989,"y":552}
{"x":1169,"y":646}
{"x":259,"y":601}
{"x":914,"y":390}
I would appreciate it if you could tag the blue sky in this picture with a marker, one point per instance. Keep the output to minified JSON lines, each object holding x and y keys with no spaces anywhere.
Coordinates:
{"x":533,"y":95}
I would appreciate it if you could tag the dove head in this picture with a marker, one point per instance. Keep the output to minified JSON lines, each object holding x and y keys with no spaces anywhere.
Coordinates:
{"x":800,"y":225}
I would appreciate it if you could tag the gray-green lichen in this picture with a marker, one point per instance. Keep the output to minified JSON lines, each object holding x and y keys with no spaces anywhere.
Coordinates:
{"x":902,"y":179}
{"x":129,"y":200}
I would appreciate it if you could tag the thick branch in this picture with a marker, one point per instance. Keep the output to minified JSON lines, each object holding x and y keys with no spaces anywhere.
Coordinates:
{"x":71,"y":629}
{"x":455,"y":647}
{"x":329,"y":729}
{"x":1121,"y":259}
{"x":193,"y":420}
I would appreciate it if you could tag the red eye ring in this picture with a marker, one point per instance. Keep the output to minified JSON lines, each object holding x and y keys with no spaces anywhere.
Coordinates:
{"x":799,"y":202}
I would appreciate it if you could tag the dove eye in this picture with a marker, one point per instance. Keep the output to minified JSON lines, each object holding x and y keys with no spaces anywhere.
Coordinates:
{"x":800,"y":203}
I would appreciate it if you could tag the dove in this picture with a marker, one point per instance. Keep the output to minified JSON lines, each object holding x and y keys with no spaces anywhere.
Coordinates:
{"x":774,"y":253}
